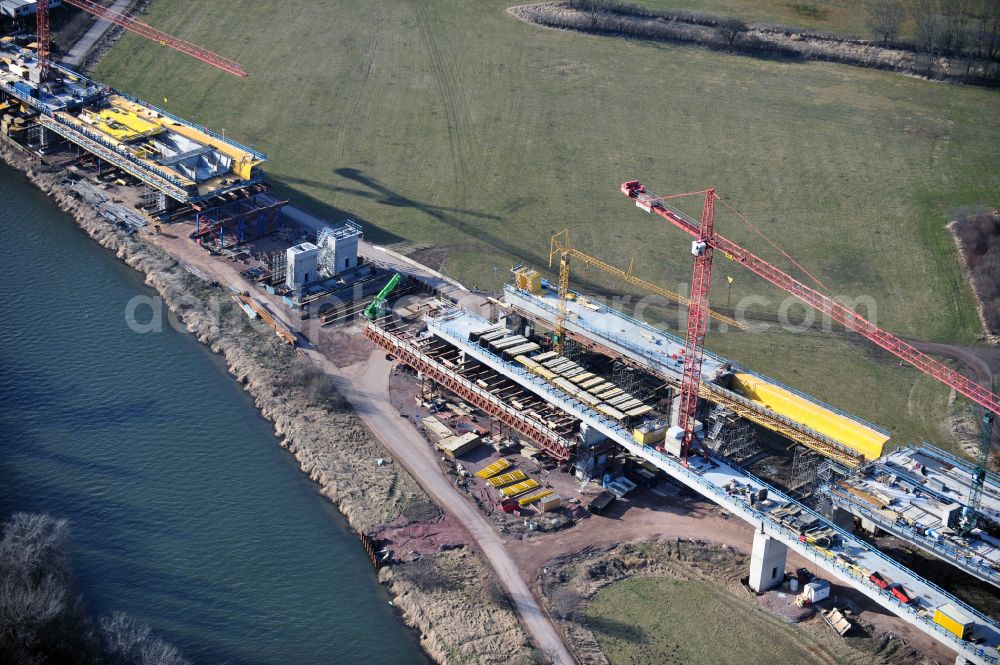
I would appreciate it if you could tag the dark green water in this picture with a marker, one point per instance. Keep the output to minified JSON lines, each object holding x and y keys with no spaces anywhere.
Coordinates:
{"x":185,"y":512}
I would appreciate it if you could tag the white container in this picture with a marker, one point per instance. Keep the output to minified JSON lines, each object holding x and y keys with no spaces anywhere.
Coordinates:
{"x":817,"y":590}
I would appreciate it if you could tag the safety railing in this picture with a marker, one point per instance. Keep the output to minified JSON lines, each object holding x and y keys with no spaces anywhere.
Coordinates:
{"x":256,"y":153}
{"x":750,"y":513}
{"x":93,"y":136}
{"x":655,"y":356}
{"x":933,"y":451}
{"x":470,"y":386}
{"x":970,"y":562}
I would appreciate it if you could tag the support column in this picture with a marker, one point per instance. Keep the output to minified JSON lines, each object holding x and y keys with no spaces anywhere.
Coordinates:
{"x":767,"y":562}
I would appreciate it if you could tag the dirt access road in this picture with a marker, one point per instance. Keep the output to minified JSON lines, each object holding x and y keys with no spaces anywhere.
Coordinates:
{"x":983,"y":361}
{"x":366,"y":386}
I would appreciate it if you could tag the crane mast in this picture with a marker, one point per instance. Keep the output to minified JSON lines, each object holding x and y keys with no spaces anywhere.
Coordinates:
{"x":694,"y":343}
{"x":560,"y":244}
{"x":836,"y":311}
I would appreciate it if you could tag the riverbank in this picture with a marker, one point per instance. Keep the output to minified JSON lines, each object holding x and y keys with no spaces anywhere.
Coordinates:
{"x":461,"y":621}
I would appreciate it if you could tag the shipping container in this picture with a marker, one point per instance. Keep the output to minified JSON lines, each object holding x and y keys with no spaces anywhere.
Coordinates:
{"x":601,"y":502}
{"x":954,"y":621}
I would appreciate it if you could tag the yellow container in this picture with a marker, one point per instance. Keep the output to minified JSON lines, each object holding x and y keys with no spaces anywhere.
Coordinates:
{"x":953,"y":620}
{"x":532,"y":281}
{"x":649,"y":434}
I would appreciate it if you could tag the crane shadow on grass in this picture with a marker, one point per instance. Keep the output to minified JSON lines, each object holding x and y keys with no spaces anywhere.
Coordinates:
{"x":484,"y":226}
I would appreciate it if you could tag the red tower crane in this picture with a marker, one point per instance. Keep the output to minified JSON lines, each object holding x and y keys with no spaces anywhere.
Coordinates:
{"x":706,"y":240}
{"x":124,"y":20}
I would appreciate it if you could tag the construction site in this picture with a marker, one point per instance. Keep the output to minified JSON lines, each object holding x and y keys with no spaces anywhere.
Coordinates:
{"x":550,"y":403}
{"x":612,"y":399}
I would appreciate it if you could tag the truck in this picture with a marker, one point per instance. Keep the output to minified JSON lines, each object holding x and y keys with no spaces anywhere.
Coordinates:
{"x":954,"y":620}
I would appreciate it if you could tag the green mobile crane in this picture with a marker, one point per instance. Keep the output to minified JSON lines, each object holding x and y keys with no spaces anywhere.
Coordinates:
{"x":979,"y":475}
{"x":375,"y":307}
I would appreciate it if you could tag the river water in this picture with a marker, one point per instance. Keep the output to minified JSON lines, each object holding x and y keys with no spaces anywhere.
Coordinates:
{"x":185,"y":513}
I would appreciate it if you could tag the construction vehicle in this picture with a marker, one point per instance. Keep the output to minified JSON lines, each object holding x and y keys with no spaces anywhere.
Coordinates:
{"x":44,"y":41}
{"x":374,"y":309}
{"x":706,"y":241}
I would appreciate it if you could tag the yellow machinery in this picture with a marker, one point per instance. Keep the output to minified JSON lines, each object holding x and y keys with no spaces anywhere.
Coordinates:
{"x":560,"y":245}
{"x":845,"y":431}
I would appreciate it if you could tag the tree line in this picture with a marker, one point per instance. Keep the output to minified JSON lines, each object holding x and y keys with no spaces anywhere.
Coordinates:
{"x":979,"y":236}
{"x":940,"y":27}
{"x":43,"y":619}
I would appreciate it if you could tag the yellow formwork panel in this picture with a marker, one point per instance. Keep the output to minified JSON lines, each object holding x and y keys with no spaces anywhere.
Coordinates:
{"x":507,"y":478}
{"x":531,"y":498}
{"x":121,"y":124}
{"x":849,"y":433}
{"x":493,"y":469}
{"x":520,"y":488}
{"x":243,"y":161}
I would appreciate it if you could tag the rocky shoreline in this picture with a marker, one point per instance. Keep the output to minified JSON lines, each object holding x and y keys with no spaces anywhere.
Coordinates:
{"x":449,"y":598}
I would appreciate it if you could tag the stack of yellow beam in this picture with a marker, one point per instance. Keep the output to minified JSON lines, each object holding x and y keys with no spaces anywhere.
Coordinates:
{"x":520,"y":488}
{"x":507,"y":478}
{"x":533,"y":497}
{"x":493,"y":469}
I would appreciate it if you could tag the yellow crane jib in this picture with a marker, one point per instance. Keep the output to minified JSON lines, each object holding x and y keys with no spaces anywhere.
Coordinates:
{"x":560,"y":245}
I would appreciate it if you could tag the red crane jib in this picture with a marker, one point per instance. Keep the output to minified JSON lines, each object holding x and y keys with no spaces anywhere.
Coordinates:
{"x":144,"y":29}
{"x":837,"y":312}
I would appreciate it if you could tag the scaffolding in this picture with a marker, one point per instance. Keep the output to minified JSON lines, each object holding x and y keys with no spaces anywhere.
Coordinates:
{"x":731,"y":436}
{"x":805,"y":465}
{"x":278,"y":263}
{"x":630,"y":380}
{"x":327,"y":239}
{"x":255,"y":215}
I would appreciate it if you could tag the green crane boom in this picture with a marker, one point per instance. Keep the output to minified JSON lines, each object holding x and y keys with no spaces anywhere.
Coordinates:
{"x":979,"y":475}
{"x":371,"y":312}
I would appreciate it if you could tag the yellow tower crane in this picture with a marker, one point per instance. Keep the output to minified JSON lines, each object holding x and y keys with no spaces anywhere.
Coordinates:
{"x":561,"y":246}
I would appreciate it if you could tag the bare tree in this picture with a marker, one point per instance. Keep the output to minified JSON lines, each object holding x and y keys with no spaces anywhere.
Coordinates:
{"x":957,"y":16}
{"x":884,"y":19}
{"x":989,"y":28}
{"x":128,"y":642}
{"x":42,"y":619}
{"x":730,"y":28}
{"x":929,"y":32}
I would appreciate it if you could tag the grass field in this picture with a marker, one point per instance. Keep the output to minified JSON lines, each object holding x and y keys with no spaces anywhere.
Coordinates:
{"x":840,"y":16}
{"x":662,"y":621}
{"x":451,"y":124}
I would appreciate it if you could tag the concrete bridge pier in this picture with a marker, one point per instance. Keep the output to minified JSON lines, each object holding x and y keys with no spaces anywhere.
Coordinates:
{"x":767,"y":562}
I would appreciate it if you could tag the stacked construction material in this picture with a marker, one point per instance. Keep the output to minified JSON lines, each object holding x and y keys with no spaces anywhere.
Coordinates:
{"x":455,"y":446}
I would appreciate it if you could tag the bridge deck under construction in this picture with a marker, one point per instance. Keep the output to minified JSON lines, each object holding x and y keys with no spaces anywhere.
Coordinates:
{"x":181,"y":159}
{"x":843,"y":555}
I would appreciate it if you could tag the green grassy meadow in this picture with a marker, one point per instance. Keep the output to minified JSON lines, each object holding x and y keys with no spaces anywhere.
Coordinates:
{"x":662,"y":621}
{"x":840,"y":16}
{"x":452,"y":124}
